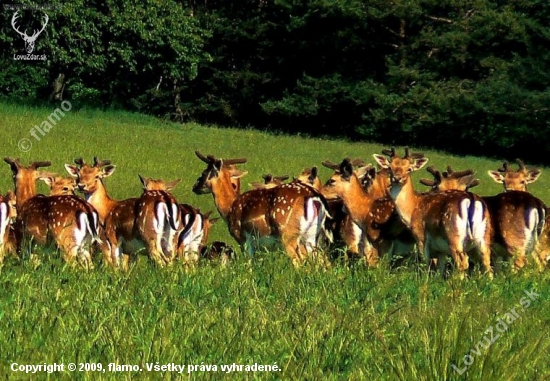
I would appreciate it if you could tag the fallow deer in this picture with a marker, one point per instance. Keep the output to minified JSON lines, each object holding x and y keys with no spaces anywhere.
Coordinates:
{"x":518,"y":216}
{"x":193,"y":237}
{"x":69,"y":221}
{"x":151,"y":220}
{"x":344,"y":230}
{"x":292,"y":215}
{"x":8,"y":213}
{"x":515,"y":180}
{"x":60,"y":185}
{"x":444,"y":223}
{"x":450,"y":179}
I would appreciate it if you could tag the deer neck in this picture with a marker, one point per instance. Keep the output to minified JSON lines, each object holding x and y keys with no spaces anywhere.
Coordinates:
{"x":224,"y":196}
{"x":24,"y":191}
{"x":357,"y":201}
{"x":405,"y":199}
{"x":101,"y":201}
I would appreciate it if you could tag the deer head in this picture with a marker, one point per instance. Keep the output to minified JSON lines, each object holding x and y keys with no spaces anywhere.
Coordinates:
{"x":344,"y":178}
{"x":29,"y":40}
{"x":400,"y":168}
{"x":24,"y":178}
{"x":90,"y":177}
{"x":216,"y":171}
{"x":149,"y":184}
{"x":515,"y":180}
{"x":59,"y":185}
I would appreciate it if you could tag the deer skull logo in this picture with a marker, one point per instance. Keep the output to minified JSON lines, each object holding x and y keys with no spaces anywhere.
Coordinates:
{"x":29,"y":40}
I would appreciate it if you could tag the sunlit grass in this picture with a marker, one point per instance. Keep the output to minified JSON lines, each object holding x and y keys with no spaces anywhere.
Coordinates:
{"x":338,"y":323}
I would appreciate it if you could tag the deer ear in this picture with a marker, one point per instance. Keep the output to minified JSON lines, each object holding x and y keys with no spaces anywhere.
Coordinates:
{"x":419,"y":163}
{"x":108,"y":170}
{"x":48,"y":180}
{"x":382,"y":161}
{"x":497,"y":176}
{"x":172,"y":184}
{"x":347,"y":170}
{"x":533,"y":176}
{"x":143,"y":182}
{"x":361,"y":172}
{"x":236,"y":174}
{"x":72,"y":170}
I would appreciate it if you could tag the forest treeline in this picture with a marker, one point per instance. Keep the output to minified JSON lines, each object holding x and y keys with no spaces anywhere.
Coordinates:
{"x":464,"y":76}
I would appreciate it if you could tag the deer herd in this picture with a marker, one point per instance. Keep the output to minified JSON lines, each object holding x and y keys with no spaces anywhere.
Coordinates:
{"x":371,"y":211}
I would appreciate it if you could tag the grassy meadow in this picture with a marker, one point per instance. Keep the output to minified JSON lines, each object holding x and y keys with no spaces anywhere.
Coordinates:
{"x":338,"y":323}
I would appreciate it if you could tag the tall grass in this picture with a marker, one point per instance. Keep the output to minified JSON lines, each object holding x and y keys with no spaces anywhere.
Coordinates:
{"x":338,"y":323}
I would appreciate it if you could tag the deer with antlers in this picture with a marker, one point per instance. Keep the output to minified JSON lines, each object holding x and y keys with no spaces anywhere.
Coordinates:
{"x":344,"y":230}
{"x":151,"y":221}
{"x":292,"y":215}
{"x":450,"y":180}
{"x":451,"y":223}
{"x":515,"y":180}
{"x":519,"y":217}
{"x":371,"y":226}
{"x":69,"y":221}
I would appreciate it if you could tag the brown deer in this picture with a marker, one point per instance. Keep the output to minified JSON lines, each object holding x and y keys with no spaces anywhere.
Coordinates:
{"x":8,"y":213}
{"x":372,"y":217}
{"x":69,"y":221}
{"x":193,"y":237}
{"x":151,"y":220}
{"x":292,"y":215}
{"x":444,"y":223}
{"x":450,"y":180}
{"x":519,"y":218}
{"x":344,"y":230}
{"x":60,"y":185}
{"x":515,"y":180}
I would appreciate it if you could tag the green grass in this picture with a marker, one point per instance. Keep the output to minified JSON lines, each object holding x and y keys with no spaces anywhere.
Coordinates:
{"x":339,"y":323}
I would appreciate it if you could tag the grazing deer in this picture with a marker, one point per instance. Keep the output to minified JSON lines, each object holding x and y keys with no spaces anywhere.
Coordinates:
{"x":218,"y":250}
{"x":270,"y":181}
{"x":8,"y":213}
{"x":445,"y":223}
{"x":151,"y":220}
{"x":292,"y":215}
{"x":71,"y":222}
{"x":518,"y":216}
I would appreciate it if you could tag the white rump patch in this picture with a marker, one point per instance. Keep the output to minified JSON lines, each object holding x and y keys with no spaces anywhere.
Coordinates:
{"x":4,"y":220}
{"x":193,"y":237}
{"x":160,"y":217}
{"x":81,"y":229}
{"x":530,"y":230}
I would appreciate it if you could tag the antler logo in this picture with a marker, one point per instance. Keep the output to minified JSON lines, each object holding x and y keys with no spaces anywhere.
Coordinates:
{"x":29,"y":40}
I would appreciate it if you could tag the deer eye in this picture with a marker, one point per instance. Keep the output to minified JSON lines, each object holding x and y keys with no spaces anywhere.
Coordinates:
{"x":65,"y":189}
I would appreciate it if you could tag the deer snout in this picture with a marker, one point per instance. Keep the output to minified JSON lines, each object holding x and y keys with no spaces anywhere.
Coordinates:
{"x":82,"y":187}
